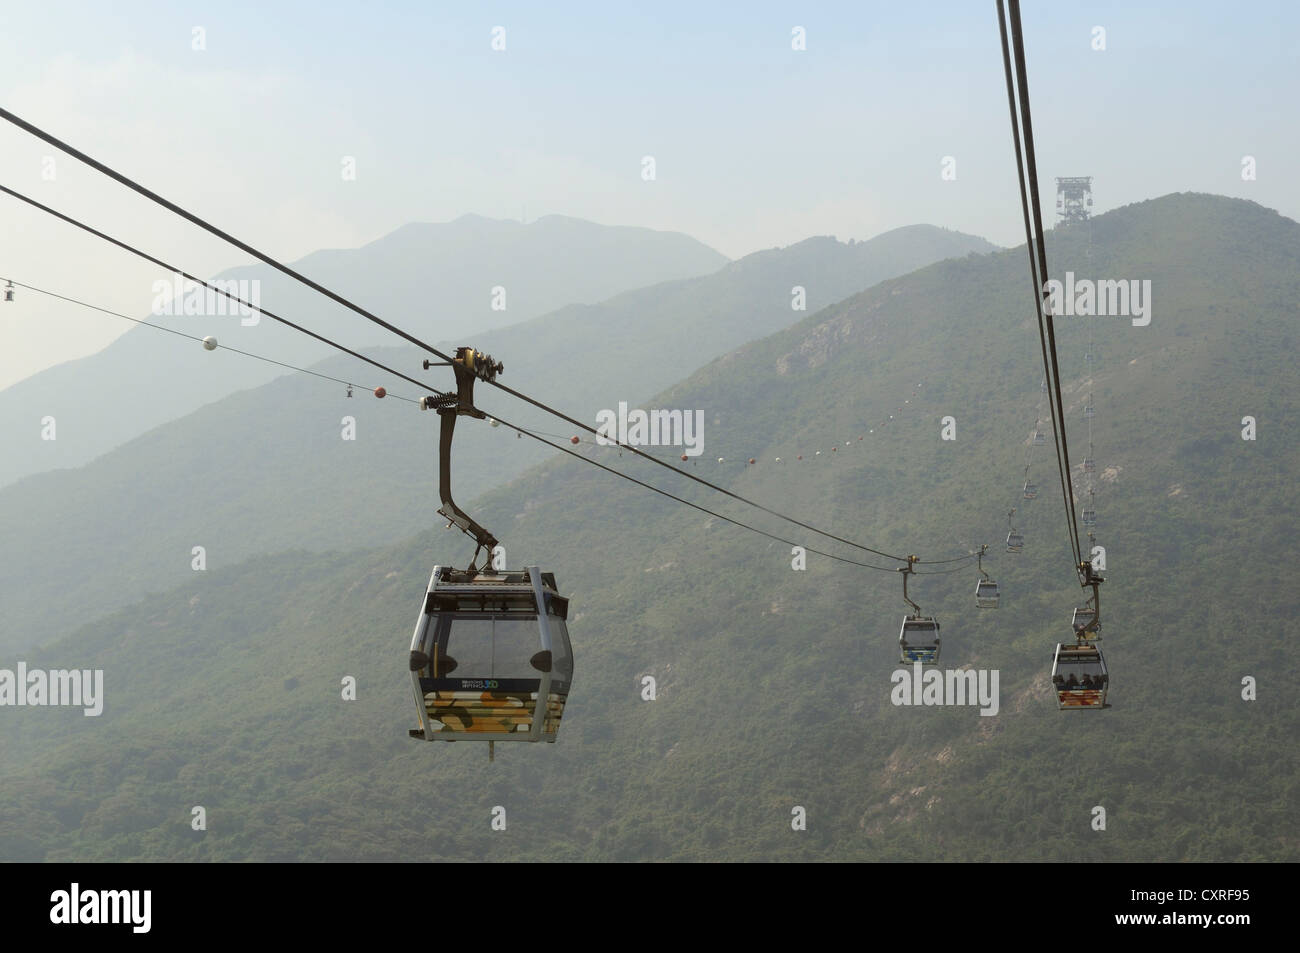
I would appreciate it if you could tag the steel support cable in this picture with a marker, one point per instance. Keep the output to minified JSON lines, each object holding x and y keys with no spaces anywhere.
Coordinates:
{"x":1037,"y":257}
{"x":1029,"y":454}
{"x":1092,"y":365}
{"x":518,"y":429}
{"x":1035,"y":243}
{"x":233,"y":297}
{"x":521,"y":430}
{"x":1063,"y":451}
{"x":211,"y":229}
{"x":1024,"y":205}
{"x":194,"y":337}
{"x":703,"y":509}
{"x":919,"y":562}
{"x":690,"y":476}
{"x":315,"y":286}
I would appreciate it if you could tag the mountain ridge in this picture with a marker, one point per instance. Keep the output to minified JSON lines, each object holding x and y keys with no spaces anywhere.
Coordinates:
{"x":774,"y":684}
{"x":292,"y":426}
{"x":435,"y":280}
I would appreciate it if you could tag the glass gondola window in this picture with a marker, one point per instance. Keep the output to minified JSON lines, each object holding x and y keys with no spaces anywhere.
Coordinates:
{"x":1076,"y":671}
{"x":920,"y":630}
{"x":562,"y":655}
{"x":986,"y":594}
{"x":488,"y":646}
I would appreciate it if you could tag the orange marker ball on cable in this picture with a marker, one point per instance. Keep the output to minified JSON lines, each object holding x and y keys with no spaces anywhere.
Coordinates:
{"x":380,"y":392}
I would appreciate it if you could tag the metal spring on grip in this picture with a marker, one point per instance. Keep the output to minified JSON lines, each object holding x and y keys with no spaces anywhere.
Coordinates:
{"x":437,"y":401}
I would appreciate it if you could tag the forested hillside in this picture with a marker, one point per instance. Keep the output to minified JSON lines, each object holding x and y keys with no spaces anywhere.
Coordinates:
{"x":268,"y":469}
{"x":773,"y":685}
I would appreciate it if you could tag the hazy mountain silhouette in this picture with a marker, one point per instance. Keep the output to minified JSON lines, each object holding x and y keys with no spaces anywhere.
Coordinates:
{"x":266,"y":469}
{"x":431,"y":279}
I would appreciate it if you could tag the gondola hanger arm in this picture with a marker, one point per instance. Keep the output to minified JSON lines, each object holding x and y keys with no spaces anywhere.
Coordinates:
{"x":469,"y":365}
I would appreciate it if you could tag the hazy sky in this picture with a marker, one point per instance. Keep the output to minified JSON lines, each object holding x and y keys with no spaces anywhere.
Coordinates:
{"x":756,"y":145}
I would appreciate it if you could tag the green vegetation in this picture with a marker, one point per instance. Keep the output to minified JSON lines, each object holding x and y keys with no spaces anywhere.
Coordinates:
{"x":774,"y":685}
{"x":265,"y":469}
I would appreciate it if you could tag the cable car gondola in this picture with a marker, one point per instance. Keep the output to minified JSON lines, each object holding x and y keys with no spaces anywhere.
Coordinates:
{"x":1079,"y":676}
{"x":1089,"y":412}
{"x":490,"y":659}
{"x":1089,"y":517}
{"x":918,"y":639}
{"x":1089,"y":465}
{"x":1015,"y":540}
{"x":1039,"y":438}
{"x":986,"y":590}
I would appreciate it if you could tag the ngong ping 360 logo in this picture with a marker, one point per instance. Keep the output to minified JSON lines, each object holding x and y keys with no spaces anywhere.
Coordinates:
{"x":653,"y":428}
